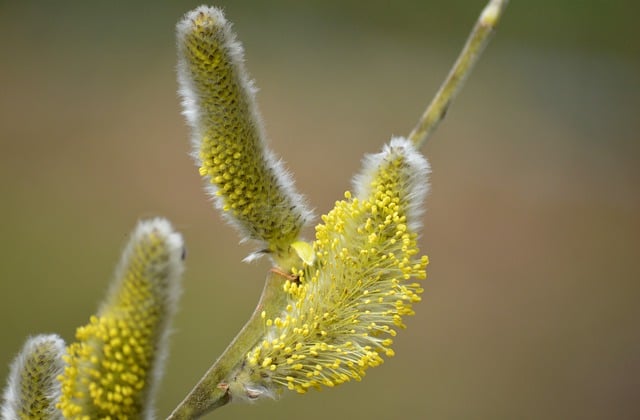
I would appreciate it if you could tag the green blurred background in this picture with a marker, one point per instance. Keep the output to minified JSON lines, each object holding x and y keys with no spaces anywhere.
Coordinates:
{"x":531,"y":308}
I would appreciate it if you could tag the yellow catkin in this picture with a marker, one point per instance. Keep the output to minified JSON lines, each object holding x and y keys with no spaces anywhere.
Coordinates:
{"x":346,"y":307}
{"x":249,"y":183}
{"x":111,"y":367}
{"x":32,"y":388}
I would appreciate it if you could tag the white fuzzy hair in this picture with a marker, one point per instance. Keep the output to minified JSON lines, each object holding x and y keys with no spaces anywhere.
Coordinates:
{"x":416,"y":172}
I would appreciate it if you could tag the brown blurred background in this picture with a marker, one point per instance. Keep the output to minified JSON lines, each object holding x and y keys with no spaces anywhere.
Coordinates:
{"x":531,"y":308}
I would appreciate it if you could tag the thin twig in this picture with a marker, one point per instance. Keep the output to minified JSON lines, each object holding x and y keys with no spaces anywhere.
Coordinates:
{"x":210,"y":392}
{"x":476,"y":42}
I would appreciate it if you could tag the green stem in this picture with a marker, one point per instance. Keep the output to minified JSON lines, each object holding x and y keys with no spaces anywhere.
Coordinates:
{"x":476,"y":42}
{"x":210,"y":392}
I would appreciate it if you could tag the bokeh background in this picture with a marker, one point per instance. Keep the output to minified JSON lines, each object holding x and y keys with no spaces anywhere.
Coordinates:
{"x":532,"y":305}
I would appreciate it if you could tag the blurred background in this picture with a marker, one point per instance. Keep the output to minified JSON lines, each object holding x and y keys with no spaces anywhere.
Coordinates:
{"x":531,"y":308}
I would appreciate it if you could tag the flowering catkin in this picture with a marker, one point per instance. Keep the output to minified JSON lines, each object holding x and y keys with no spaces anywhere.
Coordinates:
{"x":113,"y":368}
{"x":248,"y":182}
{"x":344,"y":309}
{"x":32,"y":388}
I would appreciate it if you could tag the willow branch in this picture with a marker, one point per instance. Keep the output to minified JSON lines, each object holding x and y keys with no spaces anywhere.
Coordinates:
{"x":472,"y":50}
{"x":211,"y":391}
